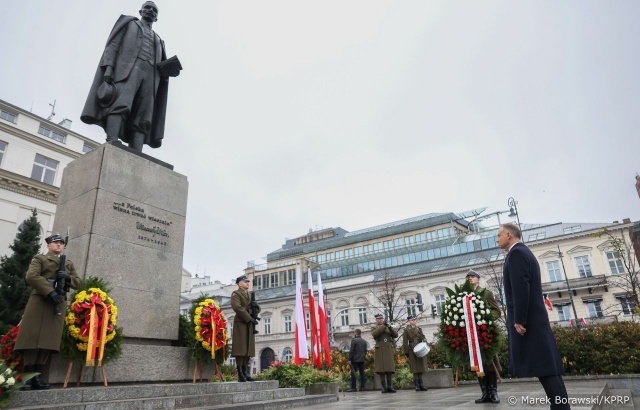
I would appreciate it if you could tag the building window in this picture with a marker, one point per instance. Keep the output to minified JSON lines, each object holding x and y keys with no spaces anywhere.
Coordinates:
{"x":329,"y":256}
{"x":287,"y":355}
{"x":44,"y":169}
{"x":329,"y":319}
{"x":7,"y":116}
{"x":440,"y":300}
{"x":563,"y":312}
{"x":257,"y":282}
{"x":287,"y":324}
{"x":51,"y":134}
{"x":232,"y":361}
{"x":594,"y":308}
{"x":397,"y":242}
{"x":344,"y":318}
{"x":377,"y":247}
{"x":321,"y":258}
{"x":362,"y":316}
{"x":86,"y":148}
{"x":573,"y":229}
{"x":339,"y":255}
{"x":387,"y":245}
{"x":368,"y":249}
{"x":291,"y":277}
{"x":445,"y":233}
{"x":357,"y":251}
{"x":265,"y":281}
{"x":348,"y":253}
{"x":584,"y":268}
{"x":615,"y":263}
{"x":627,"y":305}
{"x":420,"y":238}
{"x":308,"y":320}
{"x":537,"y":236}
{"x":431,"y":236}
{"x":266,"y":325}
{"x":274,"y":279}
{"x":411,"y":307}
{"x":408,"y":240}
{"x":3,"y":150}
{"x":553,"y":268}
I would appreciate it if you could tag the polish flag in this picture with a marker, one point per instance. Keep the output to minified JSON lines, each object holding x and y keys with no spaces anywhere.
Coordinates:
{"x":322,"y":316}
{"x":301,"y":351}
{"x":315,"y":347}
{"x":548,"y":303}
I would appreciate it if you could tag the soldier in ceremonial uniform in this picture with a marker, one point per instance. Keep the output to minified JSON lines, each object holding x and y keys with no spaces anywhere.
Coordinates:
{"x":489,"y":382}
{"x":411,"y":336}
{"x":244,"y":340}
{"x":384,"y":359}
{"x":40,"y":331}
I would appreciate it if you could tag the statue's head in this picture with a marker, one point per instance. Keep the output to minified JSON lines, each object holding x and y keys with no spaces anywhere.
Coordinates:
{"x":149,"y":11}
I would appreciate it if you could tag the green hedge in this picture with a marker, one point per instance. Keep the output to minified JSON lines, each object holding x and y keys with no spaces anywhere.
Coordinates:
{"x":612,"y":348}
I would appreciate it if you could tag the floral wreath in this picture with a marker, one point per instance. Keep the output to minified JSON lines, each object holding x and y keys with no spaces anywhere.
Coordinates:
{"x":90,"y":333}
{"x":453,"y":333}
{"x":210,"y":331}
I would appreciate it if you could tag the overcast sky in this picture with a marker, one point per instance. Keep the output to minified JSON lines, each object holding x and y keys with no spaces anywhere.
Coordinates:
{"x":291,"y":115}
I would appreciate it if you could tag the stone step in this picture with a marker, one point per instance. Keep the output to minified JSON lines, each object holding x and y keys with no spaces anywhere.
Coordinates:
{"x":288,"y":403}
{"x":176,"y":393}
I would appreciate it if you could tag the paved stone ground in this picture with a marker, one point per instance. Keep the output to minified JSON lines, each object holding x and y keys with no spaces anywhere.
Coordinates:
{"x":511,"y":396}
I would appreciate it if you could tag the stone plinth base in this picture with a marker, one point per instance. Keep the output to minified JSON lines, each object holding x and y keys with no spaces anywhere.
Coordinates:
{"x":138,"y":363}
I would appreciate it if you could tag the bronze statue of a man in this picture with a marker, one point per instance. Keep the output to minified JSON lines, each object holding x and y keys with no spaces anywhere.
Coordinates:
{"x":128,"y":97}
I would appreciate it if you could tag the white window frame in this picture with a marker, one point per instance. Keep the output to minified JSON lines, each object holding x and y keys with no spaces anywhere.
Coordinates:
{"x":554,"y":268}
{"x":619,"y":264}
{"x":287,"y":320}
{"x":44,"y":168}
{"x":54,"y":135}
{"x":266,"y":325}
{"x":580,"y":265}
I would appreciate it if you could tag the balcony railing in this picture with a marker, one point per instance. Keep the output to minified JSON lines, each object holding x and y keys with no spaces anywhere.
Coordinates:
{"x":590,"y":282}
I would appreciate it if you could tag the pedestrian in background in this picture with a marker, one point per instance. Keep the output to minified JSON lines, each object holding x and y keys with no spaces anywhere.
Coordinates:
{"x":357,"y":354}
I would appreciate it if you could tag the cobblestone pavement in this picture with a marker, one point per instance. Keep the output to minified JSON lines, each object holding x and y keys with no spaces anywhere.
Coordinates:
{"x":520,"y":396}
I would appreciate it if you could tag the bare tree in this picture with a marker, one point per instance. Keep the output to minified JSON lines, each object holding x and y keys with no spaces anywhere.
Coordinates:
{"x":495,"y":283}
{"x":629,"y":280}
{"x":387,"y":299}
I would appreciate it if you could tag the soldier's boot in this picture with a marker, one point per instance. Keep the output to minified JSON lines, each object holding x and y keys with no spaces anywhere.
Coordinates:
{"x":492,"y":386}
{"x":415,"y":383}
{"x":28,"y":368}
{"x":362,"y":382}
{"x":37,"y":383}
{"x":390,"y":384}
{"x":241,"y":377}
{"x":421,"y":384}
{"x":485,"y":391}
{"x":247,"y":374}
{"x":383,"y":382}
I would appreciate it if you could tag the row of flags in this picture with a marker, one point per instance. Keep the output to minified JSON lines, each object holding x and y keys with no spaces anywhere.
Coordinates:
{"x":319,"y":334}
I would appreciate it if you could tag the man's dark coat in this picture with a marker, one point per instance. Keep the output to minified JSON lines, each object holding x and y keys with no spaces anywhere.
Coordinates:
{"x":535,"y":353}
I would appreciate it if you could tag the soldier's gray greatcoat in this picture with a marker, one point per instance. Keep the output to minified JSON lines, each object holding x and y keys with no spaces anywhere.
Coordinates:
{"x":384,"y":359}
{"x":410,"y":338}
{"x":40,"y":328}
{"x":244,"y":341}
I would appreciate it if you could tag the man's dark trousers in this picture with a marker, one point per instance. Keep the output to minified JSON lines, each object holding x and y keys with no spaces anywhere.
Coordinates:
{"x":359,"y":366}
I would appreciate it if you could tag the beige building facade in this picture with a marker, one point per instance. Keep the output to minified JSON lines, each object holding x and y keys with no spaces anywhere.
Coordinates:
{"x":33,"y":154}
{"x":405,"y":267}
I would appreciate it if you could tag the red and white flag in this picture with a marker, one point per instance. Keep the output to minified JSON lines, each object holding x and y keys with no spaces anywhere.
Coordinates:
{"x":301,"y":350}
{"x":548,"y":303}
{"x":322,"y":316}
{"x":315,"y":347}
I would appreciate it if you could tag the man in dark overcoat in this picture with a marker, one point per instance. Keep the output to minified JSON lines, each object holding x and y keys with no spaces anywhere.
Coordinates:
{"x":488,"y":382}
{"x":41,"y":329}
{"x":244,"y":340}
{"x":411,"y":336}
{"x":128,"y":96}
{"x":384,"y":356}
{"x":532,"y":348}
{"x":357,"y":354}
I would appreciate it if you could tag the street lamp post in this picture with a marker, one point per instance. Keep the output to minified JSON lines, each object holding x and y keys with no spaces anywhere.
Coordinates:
{"x":513,"y":208}
{"x":564,"y":272}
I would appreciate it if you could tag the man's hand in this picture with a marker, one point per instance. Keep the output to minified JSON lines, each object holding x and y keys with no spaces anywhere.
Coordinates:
{"x":108,"y":74}
{"x":254,"y":321}
{"x":57,"y":298}
{"x":520,"y":329}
